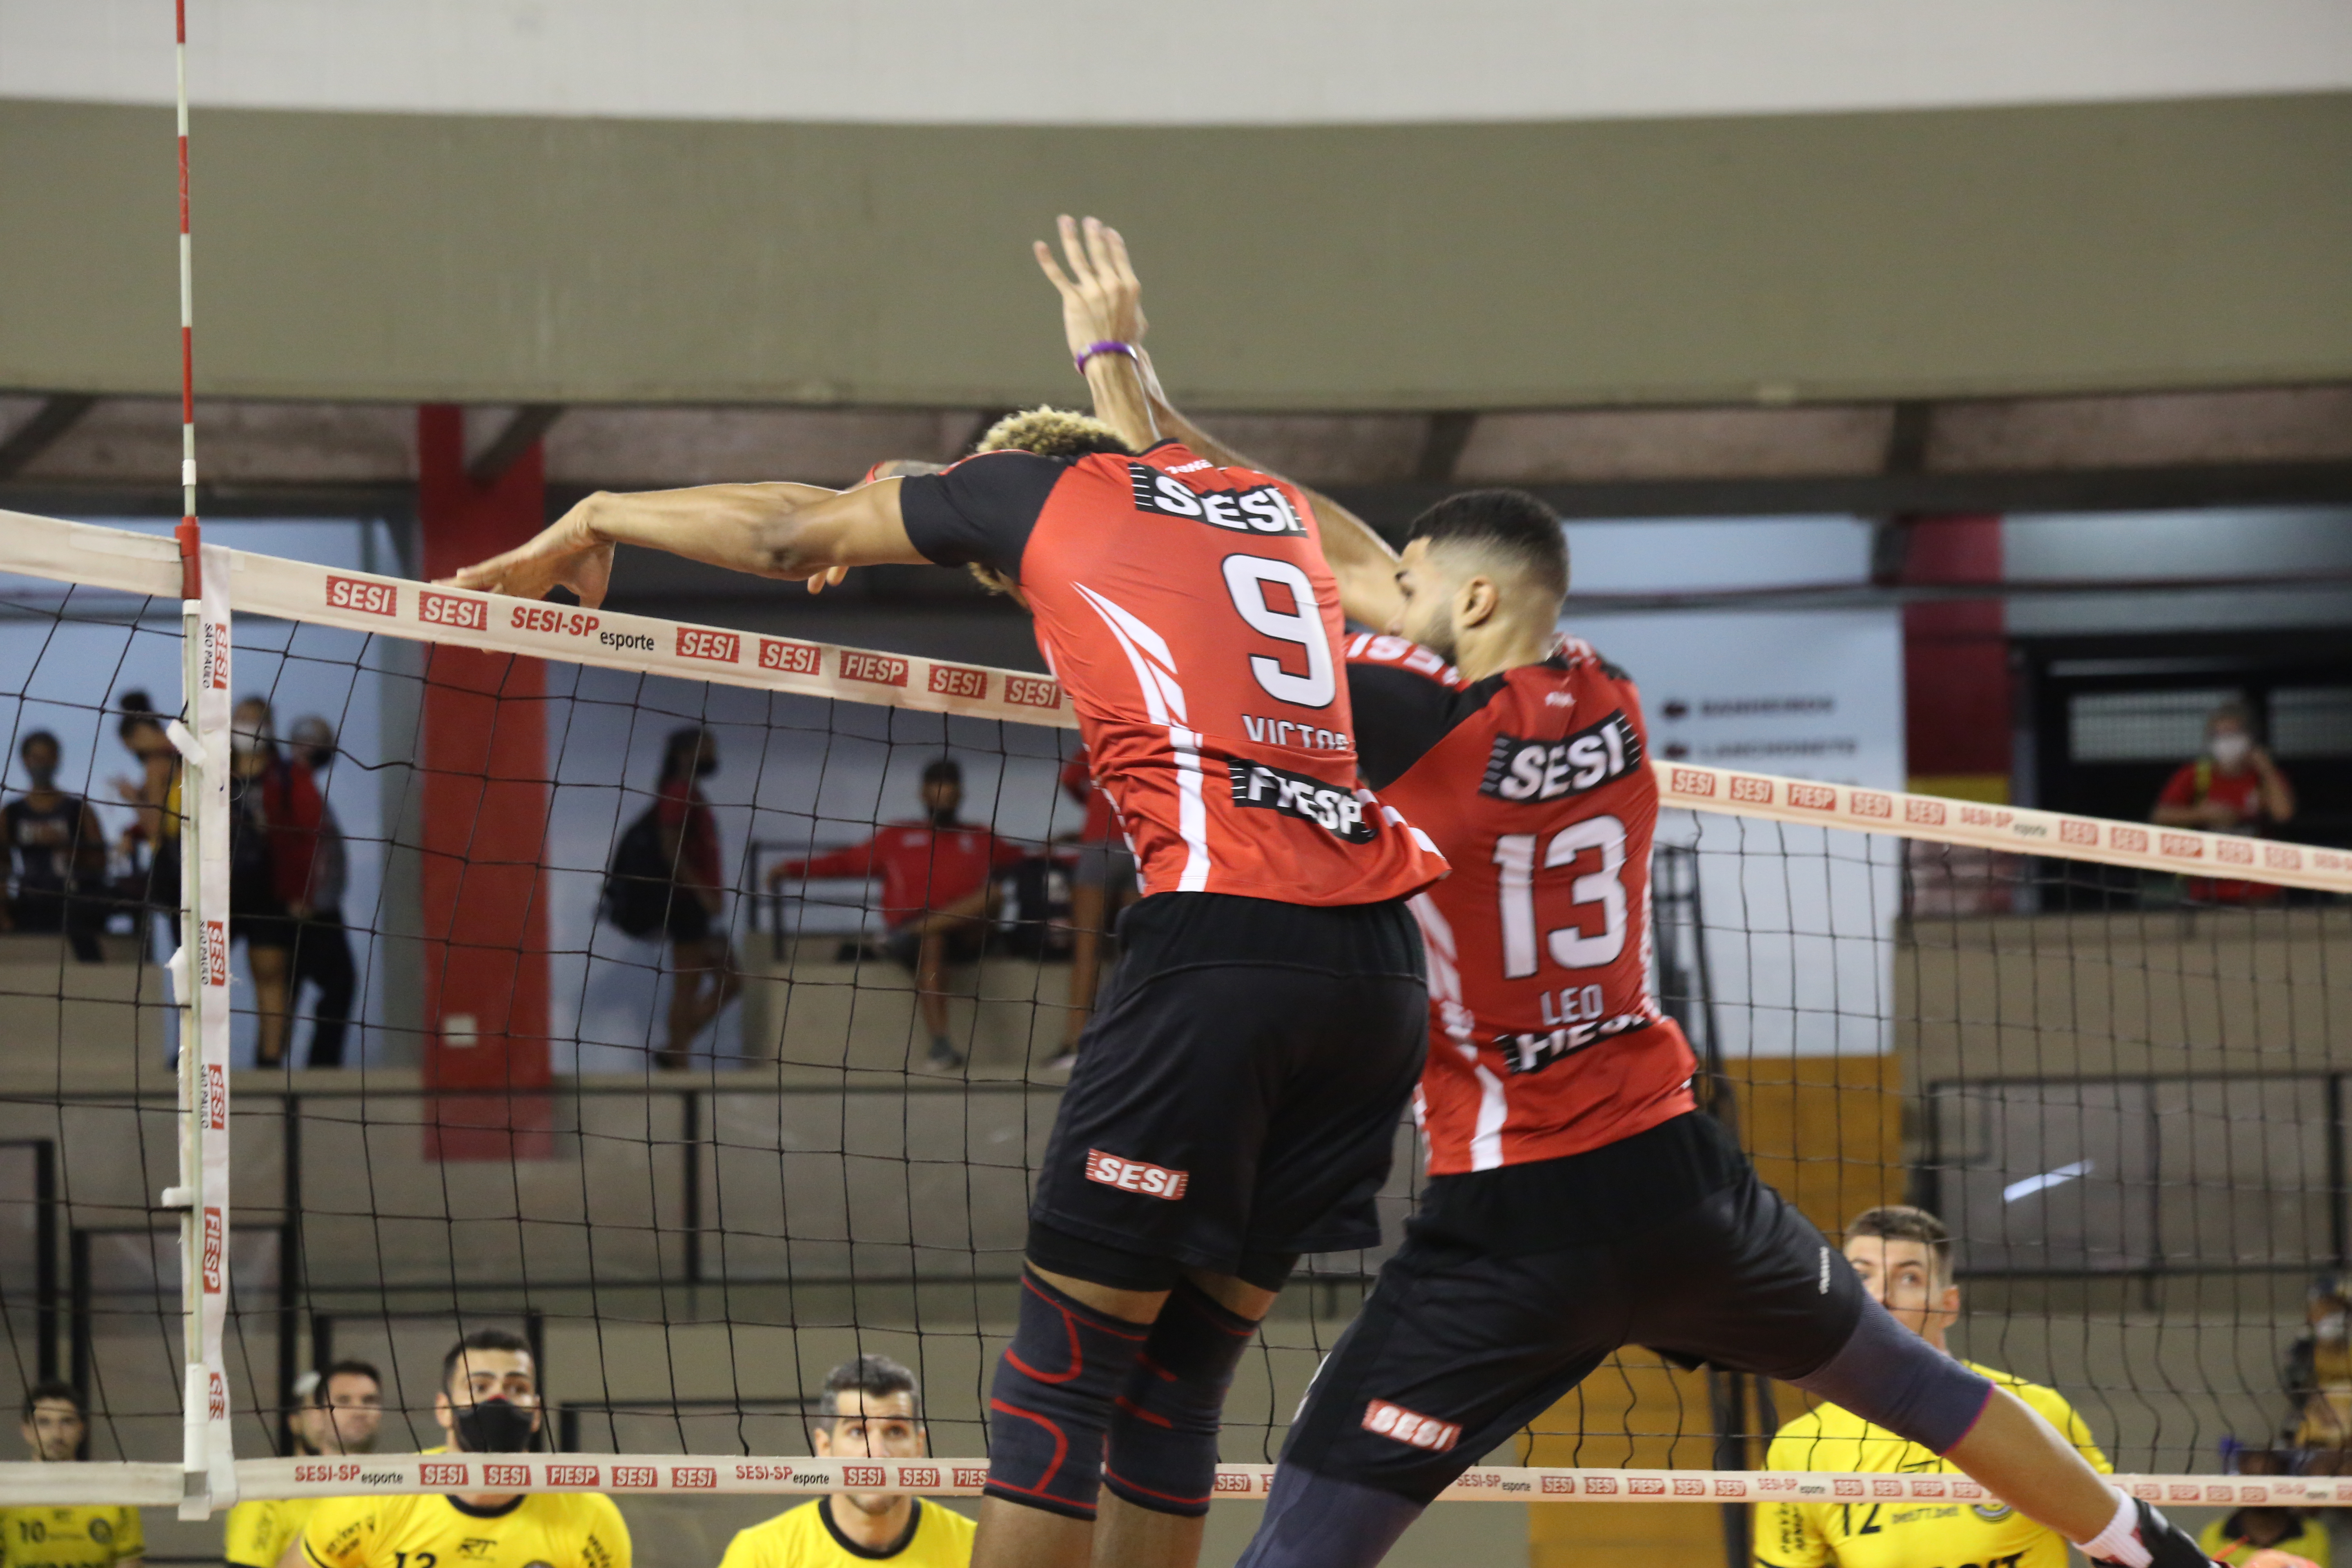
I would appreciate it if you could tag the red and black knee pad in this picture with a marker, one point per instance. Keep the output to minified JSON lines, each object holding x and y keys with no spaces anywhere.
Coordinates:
{"x":1053,"y":1398}
{"x":1163,"y":1434}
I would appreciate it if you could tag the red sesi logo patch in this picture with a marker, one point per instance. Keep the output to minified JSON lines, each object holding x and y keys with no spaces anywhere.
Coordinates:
{"x":505,"y":1475}
{"x":862,"y":1476}
{"x":216,"y":1397}
{"x":790,"y":657}
{"x":1383,"y":1419}
{"x":453,"y":610}
{"x":1559,"y":1485}
{"x":441,"y":1475}
{"x":958,"y":680}
{"x":719,"y":648}
{"x":1032,"y":692}
{"x":358,"y":594}
{"x":215,"y":1096}
{"x":216,"y":953}
{"x":635,"y":1476}
{"x":1691,"y":781}
{"x":879,"y":669}
{"x":918,"y":1480}
{"x":1752,"y":789}
{"x":1136,"y":1177}
{"x":1230,"y":1483}
{"x":693,"y":1477}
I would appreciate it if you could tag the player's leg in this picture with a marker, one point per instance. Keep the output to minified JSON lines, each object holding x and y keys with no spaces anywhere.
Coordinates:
{"x":1748,"y":1282}
{"x":268,"y":958}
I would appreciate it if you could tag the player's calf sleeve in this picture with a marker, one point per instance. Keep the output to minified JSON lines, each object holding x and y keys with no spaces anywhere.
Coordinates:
{"x":1163,"y":1433}
{"x":1314,"y":1521}
{"x":1051,"y":1402}
{"x":1892,"y":1378}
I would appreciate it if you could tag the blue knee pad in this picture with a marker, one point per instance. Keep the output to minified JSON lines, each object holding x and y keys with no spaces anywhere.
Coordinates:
{"x":1051,"y":1402}
{"x":1163,"y":1435}
{"x":1892,"y":1378}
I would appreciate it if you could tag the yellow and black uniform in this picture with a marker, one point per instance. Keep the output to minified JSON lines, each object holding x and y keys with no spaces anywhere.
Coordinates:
{"x":805,"y":1537}
{"x":1914,"y":1532}
{"x":69,"y":1537}
{"x":2310,"y":1541}
{"x":260,"y":1532}
{"x":541,"y":1530}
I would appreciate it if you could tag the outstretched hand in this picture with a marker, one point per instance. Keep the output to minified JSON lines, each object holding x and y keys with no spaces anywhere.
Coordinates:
{"x":1102,"y":300}
{"x":567,"y":553}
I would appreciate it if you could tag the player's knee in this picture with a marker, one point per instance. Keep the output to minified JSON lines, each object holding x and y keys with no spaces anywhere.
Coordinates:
{"x":1051,"y":1401}
{"x":1163,"y":1434}
{"x":1892,"y":1378}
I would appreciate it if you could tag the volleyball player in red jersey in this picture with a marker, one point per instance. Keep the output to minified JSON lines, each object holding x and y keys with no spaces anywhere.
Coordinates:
{"x":1236,"y":1101}
{"x":1578,"y":1200}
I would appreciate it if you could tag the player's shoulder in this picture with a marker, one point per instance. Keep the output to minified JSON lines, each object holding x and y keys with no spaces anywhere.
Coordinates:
{"x":776,"y":1542}
{"x":1577,"y":656}
{"x":947,"y":1525}
{"x":1382,"y":651}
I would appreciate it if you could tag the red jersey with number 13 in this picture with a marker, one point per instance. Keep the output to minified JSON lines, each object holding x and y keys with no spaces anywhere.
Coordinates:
{"x":1544,"y":1039}
{"x":1188,"y":611}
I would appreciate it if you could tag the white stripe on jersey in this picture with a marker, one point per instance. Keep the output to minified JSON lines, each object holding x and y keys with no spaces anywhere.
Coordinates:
{"x":1446,"y":984}
{"x":1163,"y":698}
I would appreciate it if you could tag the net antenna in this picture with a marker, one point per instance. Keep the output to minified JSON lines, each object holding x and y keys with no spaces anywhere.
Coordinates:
{"x":199,"y":969}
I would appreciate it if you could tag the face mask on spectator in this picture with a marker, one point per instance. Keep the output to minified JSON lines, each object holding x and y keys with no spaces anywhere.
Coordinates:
{"x":2331,"y":1328}
{"x":2230,"y":747}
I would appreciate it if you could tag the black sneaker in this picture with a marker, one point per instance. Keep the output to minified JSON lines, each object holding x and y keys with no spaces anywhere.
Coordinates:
{"x":944,"y":1056}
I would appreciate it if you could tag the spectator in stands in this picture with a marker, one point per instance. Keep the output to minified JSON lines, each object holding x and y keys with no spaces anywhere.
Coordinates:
{"x":341,"y":1410}
{"x":873,"y":1409}
{"x":55,"y":854}
{"x":1102,"y":885}
{"x":938,"y":891}
{"x":488,"y":1403}
{"x":273,"y":838}
{"x":322,"y":946}
{"x":151,"y":845}
{"x":2251,"y":1530}
{"x":703,"y":974}
{"x":2319,"y":1369}
{"x":1904,"y":1258}
{"x":2234,"y":788}
{"x":98,"y":1536}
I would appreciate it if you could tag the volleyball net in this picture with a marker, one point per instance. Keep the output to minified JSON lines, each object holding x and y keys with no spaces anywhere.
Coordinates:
{"x":479,"y":873}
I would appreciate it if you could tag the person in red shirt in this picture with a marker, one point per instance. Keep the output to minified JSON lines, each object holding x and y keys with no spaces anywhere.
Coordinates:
{"x":1237,"y":1101}
{"x":275,"y":811}
{"x":1578,"y":1199}
{"x":2234,"y":788}
{"x":1101,"y":886}
{"x":938,"y":891}
{"x":704,"y":976}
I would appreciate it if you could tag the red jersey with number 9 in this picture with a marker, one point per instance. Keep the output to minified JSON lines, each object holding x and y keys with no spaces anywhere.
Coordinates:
{"x":1544,"y":1039}
{"x":1188,"y":611}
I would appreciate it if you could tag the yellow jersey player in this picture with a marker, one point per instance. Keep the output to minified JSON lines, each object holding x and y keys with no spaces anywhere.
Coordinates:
{"x":872,"y":1409}
{"x":91,"y":1537}
{"x":1903,"y":1256}
{"x":488,"y":1403}
{"x":341,"y":1410}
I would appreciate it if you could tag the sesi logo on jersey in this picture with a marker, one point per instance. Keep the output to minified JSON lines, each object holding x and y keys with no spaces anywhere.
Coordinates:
{"x":1336,"y":810}
{"x":1262,"y":509}
{"x":1519,"y":770}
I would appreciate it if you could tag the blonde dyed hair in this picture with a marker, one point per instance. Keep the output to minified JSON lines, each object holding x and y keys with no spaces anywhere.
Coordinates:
{"x":1049,"y":432}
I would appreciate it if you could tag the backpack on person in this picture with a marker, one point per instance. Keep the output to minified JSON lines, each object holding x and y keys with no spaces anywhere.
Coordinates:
{"x":639,"y":882}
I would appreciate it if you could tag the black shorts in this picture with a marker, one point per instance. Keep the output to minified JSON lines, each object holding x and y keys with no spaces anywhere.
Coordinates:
{"x":686,"y":918}
{"x":962,"y":943}
{"x":1465,"y":1339}
{"x":1237,"y":1096}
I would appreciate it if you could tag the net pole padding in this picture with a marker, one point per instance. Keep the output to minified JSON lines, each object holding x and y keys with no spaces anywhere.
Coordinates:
{"x":688,"y":1475}
{"x":647,"y":645}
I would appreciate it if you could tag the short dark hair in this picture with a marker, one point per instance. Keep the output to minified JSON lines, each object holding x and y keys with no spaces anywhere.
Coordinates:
{"x":1510,"y":522}
{"x":138,"y":710}
{"x":328,"y":1374}
{"x":943,"y":770}
{"x":51,"y":1388}
{"x":39,"y":738}
{"x":1906,"y":1222}
{"x":480,"y":1340}
{"x":686,"y":743}
{"x":876,"y":1377}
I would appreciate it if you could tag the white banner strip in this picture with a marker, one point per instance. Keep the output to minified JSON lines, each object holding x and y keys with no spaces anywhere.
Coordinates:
{"x":626,"y":1474}
{"x":208,"y":1122}
{"x":294,"y":590}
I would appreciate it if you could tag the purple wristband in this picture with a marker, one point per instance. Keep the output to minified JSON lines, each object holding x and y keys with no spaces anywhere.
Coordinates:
{"x":1108,"y":346}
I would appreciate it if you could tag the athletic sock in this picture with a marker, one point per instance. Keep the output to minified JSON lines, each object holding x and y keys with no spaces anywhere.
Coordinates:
{"x":2120,"y":1542}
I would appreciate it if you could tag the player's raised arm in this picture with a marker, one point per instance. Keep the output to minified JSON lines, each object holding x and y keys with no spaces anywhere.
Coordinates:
{"x":1102,"y":304}
{"x":791,"y":531}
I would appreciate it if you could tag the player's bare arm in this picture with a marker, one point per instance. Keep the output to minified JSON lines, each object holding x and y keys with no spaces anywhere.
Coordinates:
{"x":1102,"y":301}
{"x":797,"y":532}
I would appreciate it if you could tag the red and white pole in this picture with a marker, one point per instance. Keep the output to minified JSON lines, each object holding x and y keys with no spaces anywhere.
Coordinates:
{"x":190,"y":534}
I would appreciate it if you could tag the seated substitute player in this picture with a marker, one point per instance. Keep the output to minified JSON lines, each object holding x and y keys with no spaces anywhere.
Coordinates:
{"x":1235,"y":1103}
{"x":93,"y":1536}
{"x":488,"y":1403}
{"x":939,"y":890}
{"x":1903,"y":1256}
{"x":341,"y":1413}
{"x":1575,"y":1190}
{"x":872,"y":1408}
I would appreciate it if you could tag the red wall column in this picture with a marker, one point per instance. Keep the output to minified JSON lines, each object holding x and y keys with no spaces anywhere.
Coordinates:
{"x":1956,"y":675}
{"x":484,"y":825}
